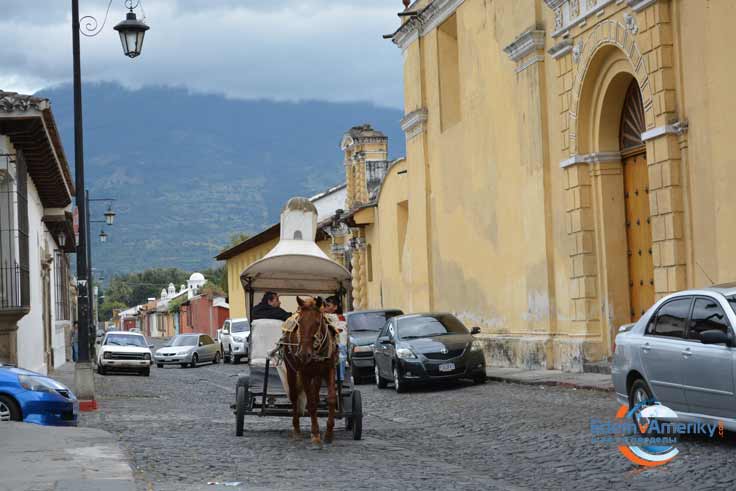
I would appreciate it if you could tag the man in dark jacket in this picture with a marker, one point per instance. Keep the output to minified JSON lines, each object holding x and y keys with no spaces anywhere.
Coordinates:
{"x":270,"y":308}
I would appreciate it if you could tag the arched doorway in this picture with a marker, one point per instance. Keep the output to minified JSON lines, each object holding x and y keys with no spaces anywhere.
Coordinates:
{"x":636,"y":199}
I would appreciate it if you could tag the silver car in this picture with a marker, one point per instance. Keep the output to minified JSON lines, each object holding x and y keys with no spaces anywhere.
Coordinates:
{"x":682,"y":353}
{"x":188,"y":350}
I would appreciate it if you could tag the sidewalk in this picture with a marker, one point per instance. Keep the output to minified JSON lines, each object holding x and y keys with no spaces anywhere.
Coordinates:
{"x":61,"y":458}
{"x":590,"y":381}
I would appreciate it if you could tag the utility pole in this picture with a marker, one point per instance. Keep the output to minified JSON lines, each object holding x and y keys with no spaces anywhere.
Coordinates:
{"x":83,"y":374}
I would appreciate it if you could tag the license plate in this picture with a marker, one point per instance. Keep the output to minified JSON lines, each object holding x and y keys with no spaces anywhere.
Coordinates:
{"x":447,"y":367}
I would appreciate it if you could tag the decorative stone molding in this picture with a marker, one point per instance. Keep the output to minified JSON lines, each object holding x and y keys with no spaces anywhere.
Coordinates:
{"x":14,"y":102}
{"x":560,"y":49}
{"x":630,"y":23}
{"x":570,"y":13}
{"x":526,"y":43}
{"x":426,"y":20}
{"x":577,"y":50}
{"x":592,"y":158}
{"x":414,"y":123}
{"x":639,"y":5}
{"x":678,"y":128}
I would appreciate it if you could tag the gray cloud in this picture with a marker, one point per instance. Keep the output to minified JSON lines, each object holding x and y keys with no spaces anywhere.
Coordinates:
{"x":278,"y":49}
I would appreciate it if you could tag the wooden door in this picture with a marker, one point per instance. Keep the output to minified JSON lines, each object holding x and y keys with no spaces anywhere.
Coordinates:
{"x":638,"y":235}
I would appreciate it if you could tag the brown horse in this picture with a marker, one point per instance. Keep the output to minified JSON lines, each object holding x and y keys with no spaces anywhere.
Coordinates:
{"x":310,"y":355}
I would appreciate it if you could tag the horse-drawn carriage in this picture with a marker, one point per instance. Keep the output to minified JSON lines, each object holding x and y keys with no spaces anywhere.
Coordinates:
{"x":289,"y":367}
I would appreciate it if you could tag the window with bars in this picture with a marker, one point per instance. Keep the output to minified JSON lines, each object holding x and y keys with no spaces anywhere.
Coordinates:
{"x":14,"y":269}
{"x":61,"y":268}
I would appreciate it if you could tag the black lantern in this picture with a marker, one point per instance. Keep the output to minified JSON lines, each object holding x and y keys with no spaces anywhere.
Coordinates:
{"x":61,"y":239}
{"x":131,"y":32}
{"x":103,"y":236}
{"x":109,"y":215}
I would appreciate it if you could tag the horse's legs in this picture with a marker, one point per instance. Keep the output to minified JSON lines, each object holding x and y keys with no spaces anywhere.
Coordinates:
{"x":291,"y":378}
{"x":313,"y":402}
{"x":331,"y":404}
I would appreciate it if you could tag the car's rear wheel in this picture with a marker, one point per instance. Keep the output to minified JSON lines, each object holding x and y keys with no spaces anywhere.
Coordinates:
{"x":195,"y":360}
{"x":184,"y":365}
{"x":9,"y":410}
{"x":216,"y":361}
{"x":229,"y":355}
{"x":380,"y":383}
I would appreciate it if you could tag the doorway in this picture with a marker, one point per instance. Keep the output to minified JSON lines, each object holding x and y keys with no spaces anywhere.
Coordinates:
{"x":636,"y":199}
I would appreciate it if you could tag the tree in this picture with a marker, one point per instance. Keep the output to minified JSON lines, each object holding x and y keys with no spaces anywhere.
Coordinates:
{"x":107,"y":307}
{"x":217,"y":276}
{"x":238,"y":238}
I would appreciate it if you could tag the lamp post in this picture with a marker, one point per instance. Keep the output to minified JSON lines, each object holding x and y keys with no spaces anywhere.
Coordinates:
{"x":84,"y":379}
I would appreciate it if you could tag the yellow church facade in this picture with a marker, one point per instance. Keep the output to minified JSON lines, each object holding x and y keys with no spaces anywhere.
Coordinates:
{"x":568,"y":162}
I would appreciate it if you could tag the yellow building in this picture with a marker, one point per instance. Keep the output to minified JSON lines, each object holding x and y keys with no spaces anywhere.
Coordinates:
{"x":568,"y":162}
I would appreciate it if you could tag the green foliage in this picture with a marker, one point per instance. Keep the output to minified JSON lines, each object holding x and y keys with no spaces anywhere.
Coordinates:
{"x":236,"y":239}
{"x":211,"y":290}
{"x":217,"y":276}
{"x":107,"y":307}
{"x":175,"y":305}
{"x":136,"y":288}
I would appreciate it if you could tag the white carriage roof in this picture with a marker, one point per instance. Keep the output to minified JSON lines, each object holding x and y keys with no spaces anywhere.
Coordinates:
{"x":295,"y":267}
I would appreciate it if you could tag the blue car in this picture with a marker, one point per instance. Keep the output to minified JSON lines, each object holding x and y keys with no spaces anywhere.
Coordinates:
{"x":34,"y":398}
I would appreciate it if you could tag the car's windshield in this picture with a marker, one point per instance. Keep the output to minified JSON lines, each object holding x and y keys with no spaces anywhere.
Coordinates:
{"x":426,"y":326}
{"x":185,"y":341}
{"x":732,"y":302}
{"x":125,"y":340}
{"x":370,"y":321}
{"x":241,"y":326}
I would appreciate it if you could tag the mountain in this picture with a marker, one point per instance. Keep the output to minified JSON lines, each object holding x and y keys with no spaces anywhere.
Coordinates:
{"x":190,"y":170}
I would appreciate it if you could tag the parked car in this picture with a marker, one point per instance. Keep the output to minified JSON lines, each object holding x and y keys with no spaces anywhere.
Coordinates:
{"x":188,"y":350}
{"x":123,"y":350}
{"x":681,"y":354}
{"x":425,"y":348}
{"x":34,"y":398}
{"x":363,"y":329}
{"x":234,"y":339}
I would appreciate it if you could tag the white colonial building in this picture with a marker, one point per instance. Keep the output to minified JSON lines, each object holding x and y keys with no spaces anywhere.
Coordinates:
{"x":36,"y":233}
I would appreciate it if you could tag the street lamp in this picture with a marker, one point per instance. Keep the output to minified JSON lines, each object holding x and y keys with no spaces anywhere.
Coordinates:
{"x":61,"y":238}
{"x":131,"y":32}
{"x":109,"y":215}
{"x":83,"y":376}
{"x":103,"y":236}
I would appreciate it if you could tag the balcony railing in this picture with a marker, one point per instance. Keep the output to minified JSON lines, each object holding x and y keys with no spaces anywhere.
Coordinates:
{"x":14,"y":263}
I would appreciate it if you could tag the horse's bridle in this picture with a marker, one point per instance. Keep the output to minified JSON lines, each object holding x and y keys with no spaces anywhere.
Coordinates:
{"x":317,"y":344}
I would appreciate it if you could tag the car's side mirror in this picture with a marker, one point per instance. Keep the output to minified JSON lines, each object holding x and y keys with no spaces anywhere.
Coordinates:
{"x":201,"y":343}
{"x":150,"y":346}
{"x":714,"y":336}
{"x":384,"y":340}
{"x":475,"y":330}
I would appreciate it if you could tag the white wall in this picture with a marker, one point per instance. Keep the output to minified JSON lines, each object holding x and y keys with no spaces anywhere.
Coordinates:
{"x":326,"y":205}
{"x":30,"y":334}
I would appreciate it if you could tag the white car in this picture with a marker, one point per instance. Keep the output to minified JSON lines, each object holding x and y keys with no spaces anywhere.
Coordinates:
{"x":122,"y":350}
{"x":234,"y":339}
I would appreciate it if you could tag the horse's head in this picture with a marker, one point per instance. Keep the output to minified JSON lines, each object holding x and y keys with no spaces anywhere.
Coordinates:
{"x":310,"y":320}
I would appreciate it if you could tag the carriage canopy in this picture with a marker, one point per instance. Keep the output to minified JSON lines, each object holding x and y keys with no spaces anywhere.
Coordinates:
{"x":296,"y":265}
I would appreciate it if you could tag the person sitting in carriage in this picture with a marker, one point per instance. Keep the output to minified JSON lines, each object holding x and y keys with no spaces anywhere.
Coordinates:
{"x":333,"y":314}
{"x":270,"y":308}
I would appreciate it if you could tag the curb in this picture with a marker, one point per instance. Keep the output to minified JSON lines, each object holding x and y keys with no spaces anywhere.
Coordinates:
{"x":550,"y":383}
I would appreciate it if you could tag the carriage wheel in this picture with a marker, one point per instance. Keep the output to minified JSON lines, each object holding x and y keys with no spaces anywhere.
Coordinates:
{"x":357,"y":415}
{"x":239,"y":410}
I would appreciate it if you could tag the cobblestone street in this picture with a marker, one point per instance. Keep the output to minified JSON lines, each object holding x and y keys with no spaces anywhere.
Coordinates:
{"x":179,"y":432}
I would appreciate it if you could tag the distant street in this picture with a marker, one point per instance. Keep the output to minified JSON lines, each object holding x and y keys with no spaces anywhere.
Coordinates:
{"x":178,"y":430}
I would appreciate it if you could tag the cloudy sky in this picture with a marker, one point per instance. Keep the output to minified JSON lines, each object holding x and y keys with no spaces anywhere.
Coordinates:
{"x":276,"y":49}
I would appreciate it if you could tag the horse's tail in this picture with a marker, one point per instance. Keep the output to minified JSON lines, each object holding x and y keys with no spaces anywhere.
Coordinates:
{"x":301,"y":403}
